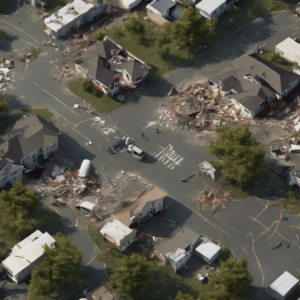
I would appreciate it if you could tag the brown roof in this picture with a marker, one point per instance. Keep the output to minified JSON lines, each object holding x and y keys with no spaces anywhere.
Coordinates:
{"x":137,"y":206}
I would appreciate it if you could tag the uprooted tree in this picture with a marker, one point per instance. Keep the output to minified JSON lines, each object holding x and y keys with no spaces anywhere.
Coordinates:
{"x":61,"y":262}
{"x":16,"y":207}
{"x":240,"y":155}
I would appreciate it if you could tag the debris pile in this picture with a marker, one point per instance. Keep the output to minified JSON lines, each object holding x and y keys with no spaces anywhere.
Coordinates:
{"x":297,"y":9}
{"x":50,"y":44}
{"x":7,"y":62}
{"x":66,"y":70}
{"x":5,"y":81}
{"x":215,"y":199}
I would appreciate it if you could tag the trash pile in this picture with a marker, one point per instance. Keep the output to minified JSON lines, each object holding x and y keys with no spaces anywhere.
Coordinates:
{"x":79,"y":38}
{"x":7,"y":62}
{"x":50,"y":44}
{"x":212,"y":198}
{"x":297,"y":9}
{"x":5,"y":81}
{"x":66,"y":70}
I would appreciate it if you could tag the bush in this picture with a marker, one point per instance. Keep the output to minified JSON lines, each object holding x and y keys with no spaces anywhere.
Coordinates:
{"x":134,"y":29}
{"x":98,"y":36}
{"x":96,"y":92}
{"x":34,"y":52}
{"x":114,"y":31}
{"x":225,"y":253}
{"x":276,"y":57}
{"x":87,"y":86}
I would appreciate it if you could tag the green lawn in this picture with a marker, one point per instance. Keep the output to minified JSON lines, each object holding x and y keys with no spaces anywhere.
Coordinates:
{"x":146,"y":52}
{"x":42,"y":112}
{"x":285,"y":66}
{"x":163,"y":282}
{"x":102,"y":104}
{"x":251,"y":188}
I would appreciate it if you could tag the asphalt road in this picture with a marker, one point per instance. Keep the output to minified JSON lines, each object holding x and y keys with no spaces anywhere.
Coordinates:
{"x":243,"y":226}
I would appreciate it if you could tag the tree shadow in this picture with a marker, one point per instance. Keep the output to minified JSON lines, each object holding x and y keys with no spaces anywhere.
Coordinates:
{"x":6,"y":42}
{"x":14,"y":6}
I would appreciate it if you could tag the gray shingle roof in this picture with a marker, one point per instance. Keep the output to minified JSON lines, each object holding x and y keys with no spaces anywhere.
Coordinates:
{"x":181,"y":240}
{"x":162,"y":5}
{"x":25,"y":136}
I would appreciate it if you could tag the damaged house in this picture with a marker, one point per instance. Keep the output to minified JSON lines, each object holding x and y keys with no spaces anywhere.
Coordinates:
{"x":179,"y":249}
{"x":251,"y":83}
{"x":142,"y":209}
{"x":108,"y":65}
{"x":23,"y":142}
{"x":72,"y":16}
{"x":162,"y":11}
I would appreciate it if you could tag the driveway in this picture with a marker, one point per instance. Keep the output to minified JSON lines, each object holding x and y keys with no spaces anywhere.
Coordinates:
{"x":244,"y":226}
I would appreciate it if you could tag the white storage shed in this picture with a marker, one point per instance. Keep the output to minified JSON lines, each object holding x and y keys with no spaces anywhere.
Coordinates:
{"x":85,"y":168}
{"x":208,"y":251}
{"x":212,"y":8}
{"x":130,"y":4}
{"x":26,"y":241}
{"x":289,"y":49}
{"x":20,"y":263}
{"x":283,"y":286}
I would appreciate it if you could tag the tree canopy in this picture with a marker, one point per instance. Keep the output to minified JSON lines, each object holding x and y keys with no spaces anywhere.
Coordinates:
{"x":16,"y":206}
{"x":133,"y":273}
{"x":232,"y":280}
{"x":134,"y":29}
{"x":98,"y":36}
{"x":3,"y":105}
{"x":189,"y":31}
{"x":241,"y":155}
{"x":59,"y":266}
{"x":181,"y":296}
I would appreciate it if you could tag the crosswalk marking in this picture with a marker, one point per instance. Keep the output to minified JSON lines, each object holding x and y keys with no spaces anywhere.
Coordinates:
{"x":169,"y":157}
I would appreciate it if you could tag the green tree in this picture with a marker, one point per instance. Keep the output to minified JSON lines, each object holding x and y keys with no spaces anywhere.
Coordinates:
{"x":161,"y":49}
{"x":233,"y":278}
{"x":133,"y":273}
{"x":241,"y":156}
{"x":134,"y":29}
{"x":276,"y":57}
{"x":3,"y":104}
{"x":87,"y":86}
{"x":16,"y":206}
{"x":60,"y":265}
{"x":181,"y":296}
{"x":98,"y":36}
{"x":190,"y":30}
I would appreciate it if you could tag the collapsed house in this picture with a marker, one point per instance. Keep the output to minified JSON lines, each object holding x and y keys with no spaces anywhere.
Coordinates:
{"x":163,"y":11}
{"x":177,"y":250}
{"x":24,"y":141}
{"x":252,"y":83}
{"x":108,"y":65}
{"x":72,"y":16}
{"x":118,"y":234}
{"x":26,"y":255}
{"x":142,"y":209}
{"x":283,"y":286}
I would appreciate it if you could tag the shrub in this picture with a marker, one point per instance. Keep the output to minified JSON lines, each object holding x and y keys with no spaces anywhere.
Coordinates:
{"x":276,"y":57}
{"x":96,"y":92}
{"x":98,"y":36}
{"x":34,"y":52}
{"x":87,"y":86}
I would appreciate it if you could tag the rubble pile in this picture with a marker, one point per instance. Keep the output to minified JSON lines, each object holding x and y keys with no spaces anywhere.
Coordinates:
{"x":297,"y":9}
{"x":79,"y":38}
{"x":66,"y":70}
{"x":50,"y":44}
{"x":5,"y":80}
{"x":209,"y":197}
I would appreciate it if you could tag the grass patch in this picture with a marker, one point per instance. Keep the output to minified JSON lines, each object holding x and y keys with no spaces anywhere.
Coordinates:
{"x":34,"y":53}
{"x":292,"y":203}
{"x":54,"y":5}
{"x":250,"y":188}
{"x":2,"y":33}
{"x":163,"y":283}
{"x":145,"y":50}
{"x":41,"y":112}
{"x":286,"y":66}
{"x":94,"y":113}
{"x":102,"y":103}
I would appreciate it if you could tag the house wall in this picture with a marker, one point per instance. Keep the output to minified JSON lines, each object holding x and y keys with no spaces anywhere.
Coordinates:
{"x":214,"y":14}
{"x":212,"y":259}
{"x":11,"y":174}
{"x":124,"y":243}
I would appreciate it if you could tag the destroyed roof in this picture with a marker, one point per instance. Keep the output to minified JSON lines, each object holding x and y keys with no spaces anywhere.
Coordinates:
{"x":99,"y":71}
{"x":67,"y":14}
{"x":116,"y":230}
{"x":133,"y":67}
{"x":182,"y":240}
{"x":137,"y":206}
{"x":26,"y":136}
{"x":21,"y":259}
{"x":283,"y":284}
{"x":161,"y":5}
{"x":251,"y":64}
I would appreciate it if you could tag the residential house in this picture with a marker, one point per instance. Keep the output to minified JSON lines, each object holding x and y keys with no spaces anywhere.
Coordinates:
{"x":208,"y":250}
{"x":177,"y":250}
{"x":283,"y":286}
{"x":20,"y":263}
{"x":251,"y":83}
{"x":107,"y":65}
{"x":118,"y":234}
{"x":162,"y":11}
{"x":35,"y":235}
{"x":209,"y":170}
{"x":24,"y":141}
{"x":214,"y":8}
{"x":100,"y":292}
{"x":72,"y":16}
{"x":290,"y":50}
{"x":143,"y":208}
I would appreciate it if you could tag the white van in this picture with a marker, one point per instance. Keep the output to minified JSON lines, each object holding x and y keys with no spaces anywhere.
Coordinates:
{"x":85,"y":168}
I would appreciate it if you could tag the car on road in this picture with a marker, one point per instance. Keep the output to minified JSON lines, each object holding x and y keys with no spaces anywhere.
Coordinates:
{"x":135,"y":151}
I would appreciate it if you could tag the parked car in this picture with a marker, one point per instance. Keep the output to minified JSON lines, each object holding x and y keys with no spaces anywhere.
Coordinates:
{"x":135,"y":151}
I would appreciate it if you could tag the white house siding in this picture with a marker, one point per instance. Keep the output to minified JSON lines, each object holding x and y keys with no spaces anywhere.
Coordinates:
{"x":50,"y":149}
{"x":11,"y":174}
{"x":149,"y":208}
